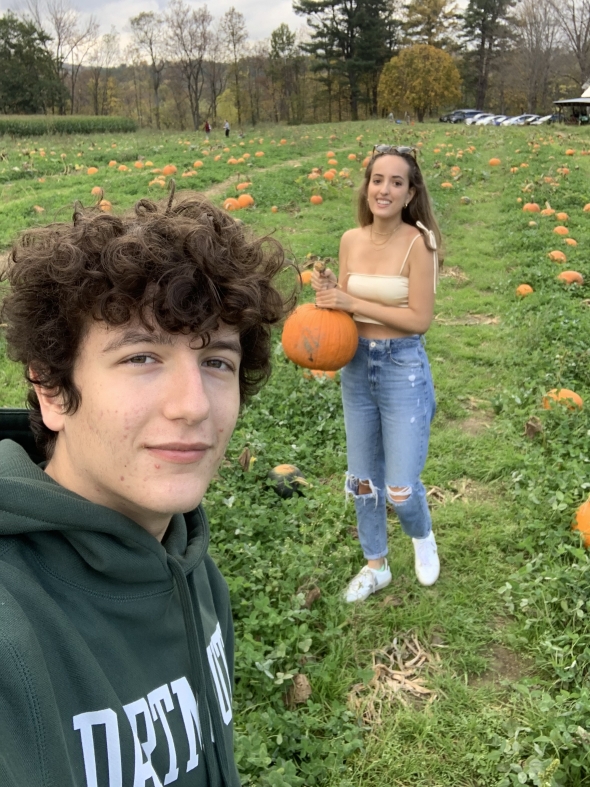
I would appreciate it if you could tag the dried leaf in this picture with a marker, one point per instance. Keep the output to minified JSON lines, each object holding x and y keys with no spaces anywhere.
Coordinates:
{"x":311,"y":597}
{"x":299,"y":692}
{"x":532,"y":427}
{"x":244,"y":459}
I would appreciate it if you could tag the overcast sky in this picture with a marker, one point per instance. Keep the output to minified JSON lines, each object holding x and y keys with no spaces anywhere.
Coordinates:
{"x":262,"y":16}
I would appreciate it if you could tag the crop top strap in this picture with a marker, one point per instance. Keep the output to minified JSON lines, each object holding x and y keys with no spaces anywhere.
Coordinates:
{"x":414,"y":239}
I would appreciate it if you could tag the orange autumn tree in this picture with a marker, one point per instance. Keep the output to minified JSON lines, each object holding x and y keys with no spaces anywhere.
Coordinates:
{"x":422,"y":78}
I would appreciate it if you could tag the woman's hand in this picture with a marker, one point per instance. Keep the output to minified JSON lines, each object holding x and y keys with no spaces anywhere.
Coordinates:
{"x":334,"y":298}
{"x":323,"y":281}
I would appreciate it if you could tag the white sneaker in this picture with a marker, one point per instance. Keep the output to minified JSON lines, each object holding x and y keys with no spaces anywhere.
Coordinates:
{"x":367,"y":581}
{"x":426,"y":563}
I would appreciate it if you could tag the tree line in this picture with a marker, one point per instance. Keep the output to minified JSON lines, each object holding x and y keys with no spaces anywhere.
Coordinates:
{"x":183,"y":66}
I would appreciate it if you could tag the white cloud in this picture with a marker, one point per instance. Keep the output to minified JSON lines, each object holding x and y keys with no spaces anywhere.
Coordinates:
{"x":261,"y":17}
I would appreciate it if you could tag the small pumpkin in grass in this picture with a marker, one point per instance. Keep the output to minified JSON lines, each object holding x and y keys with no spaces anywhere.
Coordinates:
{"x":112,"y":163}
{"x":581,"y":522}
{"x":105,"y":206}
{"x":571,"y":277}
{"x":494,"y":162}
{"x":286,"y":480}
{"x":586,"y":208}
{"x":244,"y":185}
{"x":561,"y":216}
{"x":317,"y":338}
{"x":91,"y":170}
{"x":570,"y":399}
{"x":570,"y":152}
{"x":316,"y":199}
{"x":531,"y":207}
{"x":560,"y":230}
{"x":571,"y":242}
{"x":557,"y":256}
{"x":446,"y":185}
{"x":231,"y":203}
{"x":547,"y":212}
{"x":138,"y":164}
{"x":523,"y":290}
{"x":352,"y":156}
{"x":95,"y":191}
{"x":169,"y":169}
{"x":274,"y":209}
{"x":259,"y":153}
{"x":305,"y":277}
{"x":245,"y":200}
{"x":122,"y":168}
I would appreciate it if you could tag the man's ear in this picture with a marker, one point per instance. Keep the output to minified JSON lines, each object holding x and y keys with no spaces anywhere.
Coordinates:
{"x":51,"y":404}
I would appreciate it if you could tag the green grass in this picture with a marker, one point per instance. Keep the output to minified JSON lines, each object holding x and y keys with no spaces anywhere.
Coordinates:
{"x":507,"y":619}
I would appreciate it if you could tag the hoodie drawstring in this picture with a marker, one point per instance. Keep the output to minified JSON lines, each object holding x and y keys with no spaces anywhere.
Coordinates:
{"x":207,"y":702}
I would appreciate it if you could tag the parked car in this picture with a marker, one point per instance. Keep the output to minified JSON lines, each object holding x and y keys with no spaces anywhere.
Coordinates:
{"x":479,"y":116}
{"x":546,"y":119}
{"x":490,"y":120}
{"x":520,"y":120}
{"x":457,"y":116}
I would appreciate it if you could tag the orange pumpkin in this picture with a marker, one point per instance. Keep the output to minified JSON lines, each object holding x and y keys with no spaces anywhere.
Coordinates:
{"x":198,"y":164}
{"x":547,"y":212}
{"x":446,"y":185}
{"x":494,"y":162}
{"x":329,"y":175}
{"x":316,"y":199}
{"x":274,"y":209}
{"x":96,"y":190}
{"x":557,"y":256}
{"x":531,"y":207}
{"x":112,"y":163}
{"x":571,"y":242}
{"x":569,"y":152}
{"x":242,"y":186}
{"x":571,"y":277}
{"x":523,"y":290}
{"x":586,"y":208}
{"x":245,"y":200}
{"x":366,"y":161}
{"x":231,"y":203}
{"x":561,"y":216}
{"x":313,"y":175}
{"x":330,"y":154}
{"x":138,"y":164}
{"x":317,"y":338}
{"x":259,"y":154}
{"x":560,"y":230}
{"x":105,"y":206}
{"x":169,"y":169}
{"x":571,"y":399}
{"x":122,"y":168}
{"x":352,"y":156}
{"x":581,"y":522}
{"x":91,"y":171}
{"x":305,"y":277}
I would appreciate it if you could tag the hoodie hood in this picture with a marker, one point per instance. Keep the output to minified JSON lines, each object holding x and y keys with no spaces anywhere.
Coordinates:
{"x":138,"y":557}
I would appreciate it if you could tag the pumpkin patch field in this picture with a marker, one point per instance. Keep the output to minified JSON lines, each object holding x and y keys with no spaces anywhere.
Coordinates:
{"x":482,"y":679}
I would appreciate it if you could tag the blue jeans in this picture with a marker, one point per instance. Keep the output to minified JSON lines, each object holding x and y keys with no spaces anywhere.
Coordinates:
{"x":388,"y":400}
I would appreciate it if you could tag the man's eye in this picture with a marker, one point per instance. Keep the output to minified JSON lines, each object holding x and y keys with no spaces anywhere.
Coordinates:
{"x":140,"y":360}
{"x":219,"y":363}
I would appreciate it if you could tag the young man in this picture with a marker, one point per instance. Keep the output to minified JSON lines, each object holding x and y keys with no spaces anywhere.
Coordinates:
{"x":140,"y":337}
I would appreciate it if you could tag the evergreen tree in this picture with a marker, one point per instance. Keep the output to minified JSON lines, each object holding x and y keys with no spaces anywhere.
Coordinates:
{"x":486,"y":26}
{"x":28,"y":84}
{"x":361,"y":33}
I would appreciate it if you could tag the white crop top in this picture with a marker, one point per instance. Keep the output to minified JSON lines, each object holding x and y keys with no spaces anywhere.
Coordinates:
{"x":388,"y":290}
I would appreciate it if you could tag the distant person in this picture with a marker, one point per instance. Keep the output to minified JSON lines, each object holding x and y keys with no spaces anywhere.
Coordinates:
{"x":226,"y":127}
{"x":390,"y":117}
{"x":140,"y":337}
{"x":207,"y":129}
{"x":407,"y":117}
{"x":387,"y":281}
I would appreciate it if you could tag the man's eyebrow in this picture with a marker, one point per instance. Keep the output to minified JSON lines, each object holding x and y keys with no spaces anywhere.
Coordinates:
{"x":139,"y":337}
{"x":233,"y":345}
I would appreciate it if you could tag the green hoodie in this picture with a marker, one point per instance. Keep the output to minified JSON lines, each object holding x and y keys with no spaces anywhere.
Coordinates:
{"x":116,"y":651}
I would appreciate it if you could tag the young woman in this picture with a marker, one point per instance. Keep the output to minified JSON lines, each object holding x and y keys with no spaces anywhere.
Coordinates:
{"x":387,"y":281}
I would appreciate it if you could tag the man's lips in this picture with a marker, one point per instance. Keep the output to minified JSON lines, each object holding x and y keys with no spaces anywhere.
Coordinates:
{"x":179,"y":453}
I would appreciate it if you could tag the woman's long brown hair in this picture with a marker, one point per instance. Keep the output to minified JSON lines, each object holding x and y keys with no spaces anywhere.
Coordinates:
{"x":419,"y":208}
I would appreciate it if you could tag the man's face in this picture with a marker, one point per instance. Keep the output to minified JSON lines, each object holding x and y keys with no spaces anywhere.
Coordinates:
{"x":156,"y":415}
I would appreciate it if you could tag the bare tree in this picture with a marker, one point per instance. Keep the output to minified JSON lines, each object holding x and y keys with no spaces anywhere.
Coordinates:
{"x":70,"y":43}
{"x":147,"y":30}
{"x":216,"y":71}
{"x":538,"y":25}
{"x":233,"y":29}
{"x":574,"y":21}
{"x":103,"y":57}
{"x":188,"y":39}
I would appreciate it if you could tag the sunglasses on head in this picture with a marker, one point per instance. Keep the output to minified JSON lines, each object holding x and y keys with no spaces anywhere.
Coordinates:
{"x":402,"y":150}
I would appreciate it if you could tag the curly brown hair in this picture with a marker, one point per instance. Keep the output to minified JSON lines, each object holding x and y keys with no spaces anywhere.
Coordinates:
{"x":185,"y":266}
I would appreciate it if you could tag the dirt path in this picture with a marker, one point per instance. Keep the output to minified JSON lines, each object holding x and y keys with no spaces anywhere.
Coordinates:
{"x":219,"y":188}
